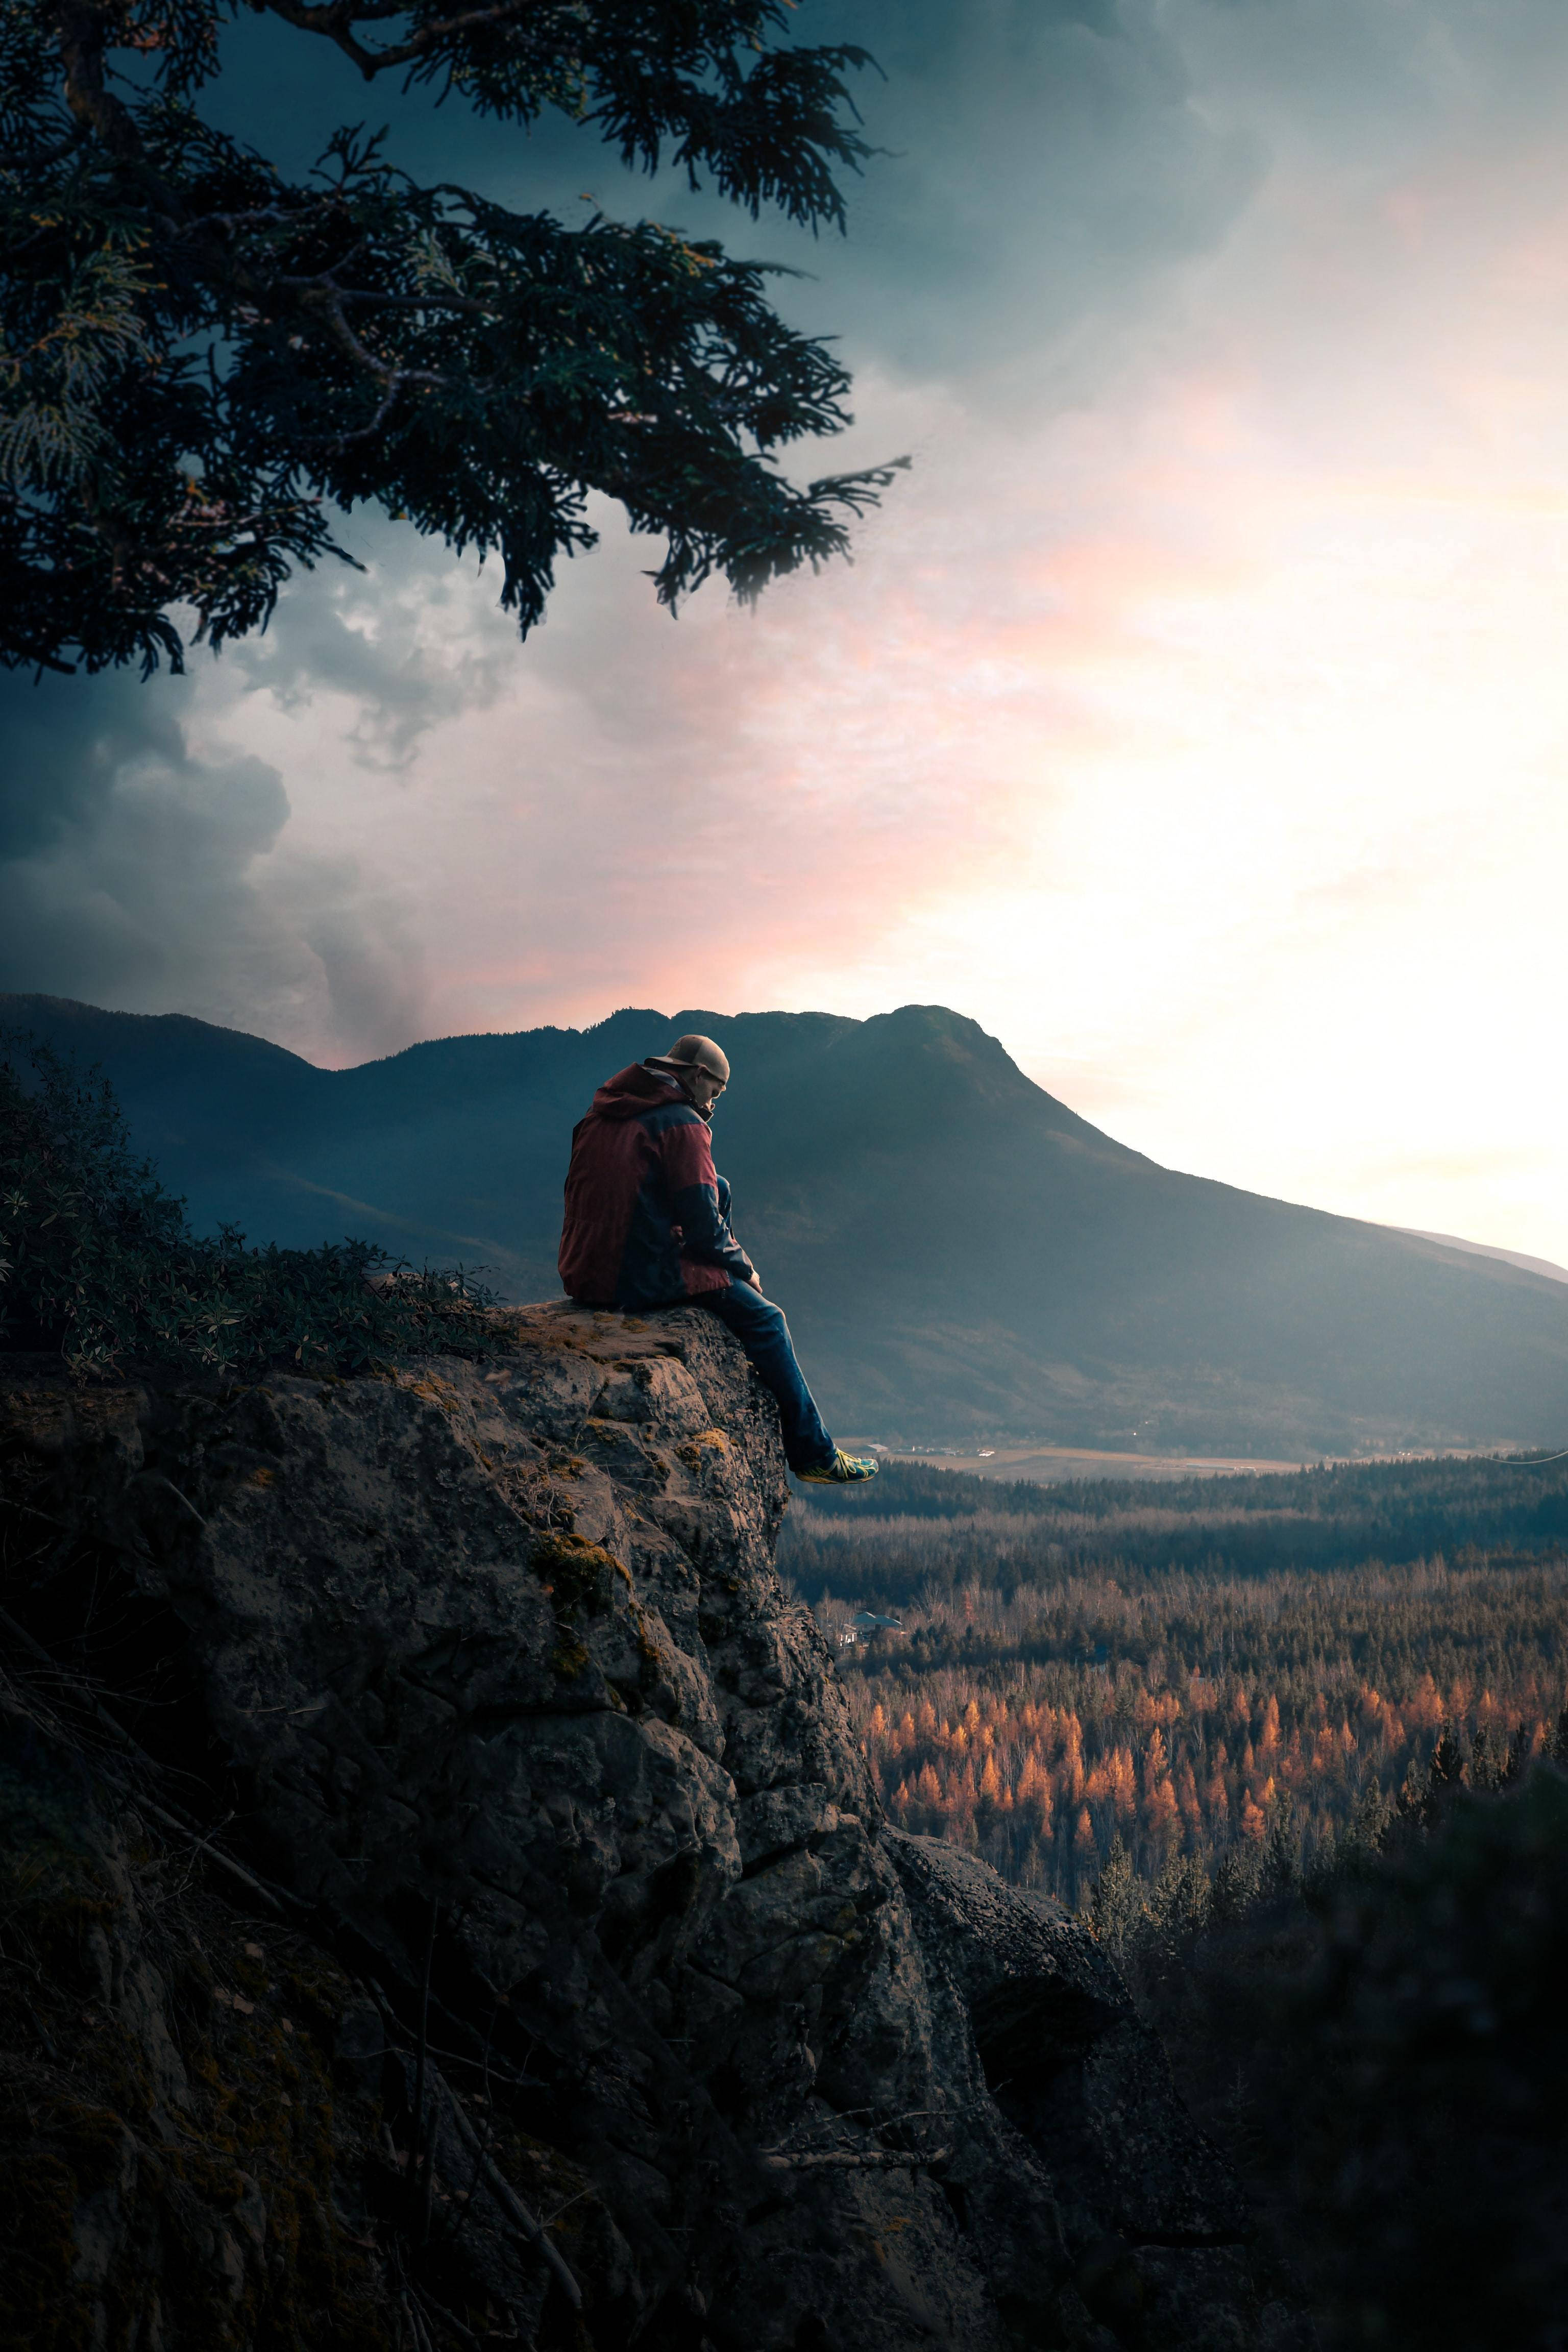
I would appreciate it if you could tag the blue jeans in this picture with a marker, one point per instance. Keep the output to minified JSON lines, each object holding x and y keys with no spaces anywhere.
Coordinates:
{"x":762,"y":1330}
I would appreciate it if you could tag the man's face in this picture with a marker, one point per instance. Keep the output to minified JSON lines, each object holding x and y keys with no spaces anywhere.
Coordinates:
{"x":704,"y":1088}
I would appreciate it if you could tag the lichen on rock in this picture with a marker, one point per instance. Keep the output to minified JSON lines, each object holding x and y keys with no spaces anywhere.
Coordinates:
{"x":485,"y":1668}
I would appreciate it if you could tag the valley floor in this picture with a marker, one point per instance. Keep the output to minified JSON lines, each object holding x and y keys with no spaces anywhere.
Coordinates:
{"x":1245,"y":1658}
{"x":1055,"y":1464}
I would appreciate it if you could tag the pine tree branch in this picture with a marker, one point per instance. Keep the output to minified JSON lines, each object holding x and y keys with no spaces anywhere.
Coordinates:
{"x":333,"y":22}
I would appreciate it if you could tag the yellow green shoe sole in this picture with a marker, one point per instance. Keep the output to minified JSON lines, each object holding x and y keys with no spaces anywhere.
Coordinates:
{"x":844,"y":1470}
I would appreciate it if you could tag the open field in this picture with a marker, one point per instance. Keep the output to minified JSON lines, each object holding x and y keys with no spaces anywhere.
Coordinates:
{"x":1049,"y":1465}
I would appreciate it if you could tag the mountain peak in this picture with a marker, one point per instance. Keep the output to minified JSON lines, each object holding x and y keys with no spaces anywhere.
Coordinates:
{"x":959,"y":1253}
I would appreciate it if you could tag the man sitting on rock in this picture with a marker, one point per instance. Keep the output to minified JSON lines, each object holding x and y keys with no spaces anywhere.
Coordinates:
{"x":647,"y":1225}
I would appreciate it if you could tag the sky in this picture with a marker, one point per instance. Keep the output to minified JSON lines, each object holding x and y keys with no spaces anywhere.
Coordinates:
{"x":1193,"y":714}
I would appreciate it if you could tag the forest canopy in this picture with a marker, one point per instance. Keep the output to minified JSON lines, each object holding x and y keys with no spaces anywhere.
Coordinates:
{"x":204,"y":358}
{"x":1175,"y":1669}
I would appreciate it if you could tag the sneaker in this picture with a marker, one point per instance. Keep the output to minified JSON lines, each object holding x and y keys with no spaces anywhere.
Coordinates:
{"x":844,"y":1470}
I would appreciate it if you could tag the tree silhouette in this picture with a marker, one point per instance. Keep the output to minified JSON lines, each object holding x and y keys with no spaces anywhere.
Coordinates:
{"x":202,"y":356}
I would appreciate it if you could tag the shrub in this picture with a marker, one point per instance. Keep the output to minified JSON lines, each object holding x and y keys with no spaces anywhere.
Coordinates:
{"x":98,"y":1261}
{"x":1381,"y":2049}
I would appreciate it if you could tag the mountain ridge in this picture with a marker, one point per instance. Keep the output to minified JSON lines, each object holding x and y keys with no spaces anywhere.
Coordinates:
{"x":1546,"y":1267}
{"x":959,"y":1252}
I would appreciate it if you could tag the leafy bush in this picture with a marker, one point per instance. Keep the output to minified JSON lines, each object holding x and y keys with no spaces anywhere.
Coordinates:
{"x":100,"y":1263}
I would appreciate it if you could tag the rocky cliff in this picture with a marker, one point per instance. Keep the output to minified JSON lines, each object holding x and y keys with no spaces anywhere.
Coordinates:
{"x":444,"y":1903}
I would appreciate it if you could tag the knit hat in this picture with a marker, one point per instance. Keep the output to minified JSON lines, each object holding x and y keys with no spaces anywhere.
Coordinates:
{"x":689,"y":1054}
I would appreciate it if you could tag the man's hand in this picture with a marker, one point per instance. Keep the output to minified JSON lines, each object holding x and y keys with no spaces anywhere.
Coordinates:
{"x":755,"y":1281}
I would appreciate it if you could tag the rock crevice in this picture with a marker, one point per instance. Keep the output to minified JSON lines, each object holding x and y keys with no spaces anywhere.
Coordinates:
{"x":487,"y":1666}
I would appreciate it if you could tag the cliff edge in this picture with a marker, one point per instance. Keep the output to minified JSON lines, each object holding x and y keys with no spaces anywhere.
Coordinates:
{"x":446,"y":1903}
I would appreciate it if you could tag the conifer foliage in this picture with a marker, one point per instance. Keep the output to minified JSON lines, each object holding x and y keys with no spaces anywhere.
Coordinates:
{"x":1164,"y":1674}
{"x":99,"y":1264}
{"x":1378,"y":2042}
{"x":200,"y":355}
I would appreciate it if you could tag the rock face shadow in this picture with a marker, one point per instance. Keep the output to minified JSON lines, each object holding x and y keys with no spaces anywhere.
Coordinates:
{"x":486,"y":1669}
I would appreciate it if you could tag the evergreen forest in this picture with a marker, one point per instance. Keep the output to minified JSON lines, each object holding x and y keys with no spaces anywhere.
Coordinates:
{"x":1170,"y":1669}
{"x":1297,"y":1746}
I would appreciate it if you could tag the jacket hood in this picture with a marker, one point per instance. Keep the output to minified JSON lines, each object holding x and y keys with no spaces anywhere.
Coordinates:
{"x":634,"y":1091}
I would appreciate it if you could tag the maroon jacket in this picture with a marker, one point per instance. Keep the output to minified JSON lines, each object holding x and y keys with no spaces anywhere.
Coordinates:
{"x":646,"y":1217}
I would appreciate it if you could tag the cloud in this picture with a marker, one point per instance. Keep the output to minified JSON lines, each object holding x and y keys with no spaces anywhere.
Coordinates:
{"x":637,"y":796}
{"x":1047,"y":161}
{"x":137,"y":872}
{"x":404,"y":640}
{"x":63,"y":746}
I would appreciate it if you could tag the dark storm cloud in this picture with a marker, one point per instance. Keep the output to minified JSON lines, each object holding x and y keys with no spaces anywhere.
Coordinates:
{"x":63,"y":750}
{"x":1037,"y":159}
{"x":138,"y":873}
{"x":1043,"y":162}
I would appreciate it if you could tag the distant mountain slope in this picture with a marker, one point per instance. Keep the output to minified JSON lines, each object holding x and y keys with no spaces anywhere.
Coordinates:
{"x":958,"y":1251}
{"x":1546,"y":1265}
